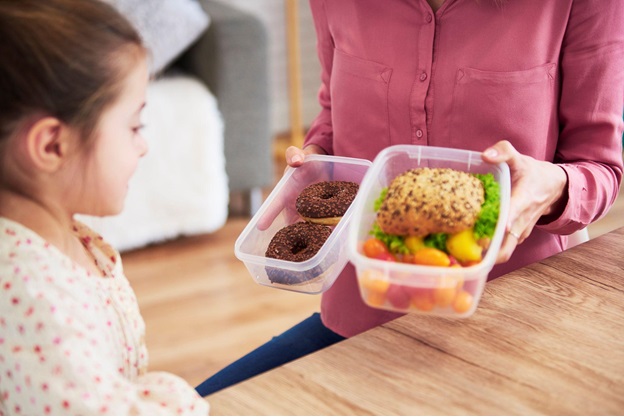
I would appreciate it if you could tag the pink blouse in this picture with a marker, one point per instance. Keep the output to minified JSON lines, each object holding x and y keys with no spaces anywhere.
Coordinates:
{"x":546,"y":75}
{"x":72,"y":343}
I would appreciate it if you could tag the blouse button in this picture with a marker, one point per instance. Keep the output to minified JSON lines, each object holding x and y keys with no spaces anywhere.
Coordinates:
{"x":423,"y":76}
{"x":429,"y":18}
{"x":419,"y":133}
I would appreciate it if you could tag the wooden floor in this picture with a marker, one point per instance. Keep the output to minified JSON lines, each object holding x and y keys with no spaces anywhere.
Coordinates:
{"x":203,"y":310}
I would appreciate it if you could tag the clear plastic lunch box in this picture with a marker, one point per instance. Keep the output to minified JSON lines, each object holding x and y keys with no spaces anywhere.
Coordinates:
{"x":404,"y":287}
{"x":314,"y":275}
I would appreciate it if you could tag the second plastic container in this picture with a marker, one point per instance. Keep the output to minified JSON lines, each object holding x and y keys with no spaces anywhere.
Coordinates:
{"x":406,"y":287}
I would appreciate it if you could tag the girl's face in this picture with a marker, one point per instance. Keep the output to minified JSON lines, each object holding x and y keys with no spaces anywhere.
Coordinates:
{"x":117,"y":148}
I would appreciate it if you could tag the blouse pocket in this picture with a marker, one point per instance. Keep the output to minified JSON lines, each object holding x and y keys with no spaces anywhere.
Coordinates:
{"x":519,"y":106}
{"x":359,"y":100}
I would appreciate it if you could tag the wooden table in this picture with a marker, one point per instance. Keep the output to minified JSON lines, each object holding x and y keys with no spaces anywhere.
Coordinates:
{"x":547,"y":339}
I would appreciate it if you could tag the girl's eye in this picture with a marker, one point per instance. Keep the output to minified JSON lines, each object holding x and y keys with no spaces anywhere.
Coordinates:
{"x":138,"y":129}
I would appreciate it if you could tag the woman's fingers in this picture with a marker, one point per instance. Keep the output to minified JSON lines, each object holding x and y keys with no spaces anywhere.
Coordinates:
{"x":294,"y":156}
{"x":521,"y":214}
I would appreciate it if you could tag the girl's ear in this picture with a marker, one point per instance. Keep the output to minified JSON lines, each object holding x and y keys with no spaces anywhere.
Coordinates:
{"x":47,"y":143}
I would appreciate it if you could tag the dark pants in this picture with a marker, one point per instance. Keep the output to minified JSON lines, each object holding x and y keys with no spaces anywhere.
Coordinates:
{"x":306,"y":337}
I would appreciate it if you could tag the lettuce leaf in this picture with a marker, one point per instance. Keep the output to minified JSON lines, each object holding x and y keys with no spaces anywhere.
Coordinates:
{"x":396,"y":244}
{"x":488,"y":217}
{"x":437,"y":241}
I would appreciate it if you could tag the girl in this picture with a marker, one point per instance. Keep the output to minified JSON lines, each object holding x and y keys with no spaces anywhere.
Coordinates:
{"x":71,"y":335}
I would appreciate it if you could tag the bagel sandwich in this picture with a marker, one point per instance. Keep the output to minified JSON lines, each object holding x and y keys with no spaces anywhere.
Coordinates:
{"x":450,"y":210}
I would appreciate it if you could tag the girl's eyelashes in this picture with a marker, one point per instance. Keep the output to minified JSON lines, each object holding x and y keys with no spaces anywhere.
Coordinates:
{"x":138,"y":128}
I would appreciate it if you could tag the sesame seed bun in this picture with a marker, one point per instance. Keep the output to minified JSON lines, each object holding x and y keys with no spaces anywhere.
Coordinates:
{"x":431,"y":200}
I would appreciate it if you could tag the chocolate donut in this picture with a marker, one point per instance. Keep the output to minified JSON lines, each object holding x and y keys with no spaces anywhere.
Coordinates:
{"x":326,"y":202}
{"x":296,"y":243}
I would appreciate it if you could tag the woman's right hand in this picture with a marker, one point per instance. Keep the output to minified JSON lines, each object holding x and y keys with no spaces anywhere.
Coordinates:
{"x":295,"y":156}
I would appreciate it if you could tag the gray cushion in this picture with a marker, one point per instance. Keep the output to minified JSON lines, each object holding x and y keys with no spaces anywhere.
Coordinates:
{"x":167,"y":27}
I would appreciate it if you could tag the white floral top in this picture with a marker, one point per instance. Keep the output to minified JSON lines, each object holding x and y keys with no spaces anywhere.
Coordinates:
{"x":72,"y":343}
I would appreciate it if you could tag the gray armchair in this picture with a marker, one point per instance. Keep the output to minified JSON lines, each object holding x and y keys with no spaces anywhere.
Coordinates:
{"x":231,"y":58}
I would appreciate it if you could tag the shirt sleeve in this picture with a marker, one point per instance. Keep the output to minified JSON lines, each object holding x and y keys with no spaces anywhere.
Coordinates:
{"x":589,"y":148}
{"x":55,"y":363}
{"x":321,"y":131}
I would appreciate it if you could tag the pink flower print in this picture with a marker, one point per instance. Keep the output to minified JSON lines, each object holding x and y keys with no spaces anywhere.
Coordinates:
{"x":9,"y":232}
{"x":7,"y":286}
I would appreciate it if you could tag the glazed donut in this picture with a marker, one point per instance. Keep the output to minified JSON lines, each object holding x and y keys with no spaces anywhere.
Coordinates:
{"x":326,"y":202}
{"x":296,"y":243}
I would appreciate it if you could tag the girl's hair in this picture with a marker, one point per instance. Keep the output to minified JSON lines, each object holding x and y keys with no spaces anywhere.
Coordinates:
{"x":62,"y":58}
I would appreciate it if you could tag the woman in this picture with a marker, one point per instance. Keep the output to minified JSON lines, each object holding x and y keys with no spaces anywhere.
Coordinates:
{"x":538,"y":85}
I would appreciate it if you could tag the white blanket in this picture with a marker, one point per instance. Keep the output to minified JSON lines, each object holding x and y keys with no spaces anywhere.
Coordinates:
{"x":180,"y":186}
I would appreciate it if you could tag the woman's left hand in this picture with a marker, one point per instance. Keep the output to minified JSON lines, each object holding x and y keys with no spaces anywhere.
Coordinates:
{"x":536,"y":189}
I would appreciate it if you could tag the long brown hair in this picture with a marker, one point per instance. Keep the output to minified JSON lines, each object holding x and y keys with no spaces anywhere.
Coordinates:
{"x":61,"y":58}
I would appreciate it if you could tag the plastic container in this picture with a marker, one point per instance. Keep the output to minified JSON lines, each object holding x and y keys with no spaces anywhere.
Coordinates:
{"x":405,"y":287}
{"x":314,"y":275}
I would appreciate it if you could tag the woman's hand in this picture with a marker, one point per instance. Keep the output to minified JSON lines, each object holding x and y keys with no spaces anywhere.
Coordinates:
{"x":295,"y":156}
{"x":537,"y":187}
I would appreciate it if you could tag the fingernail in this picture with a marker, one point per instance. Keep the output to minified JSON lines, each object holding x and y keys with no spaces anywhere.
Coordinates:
{"x":295,"y":159}
{"x":491,"y":152}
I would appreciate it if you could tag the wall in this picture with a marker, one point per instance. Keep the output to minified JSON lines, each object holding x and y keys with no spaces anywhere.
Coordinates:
{"x":272,"y":13}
